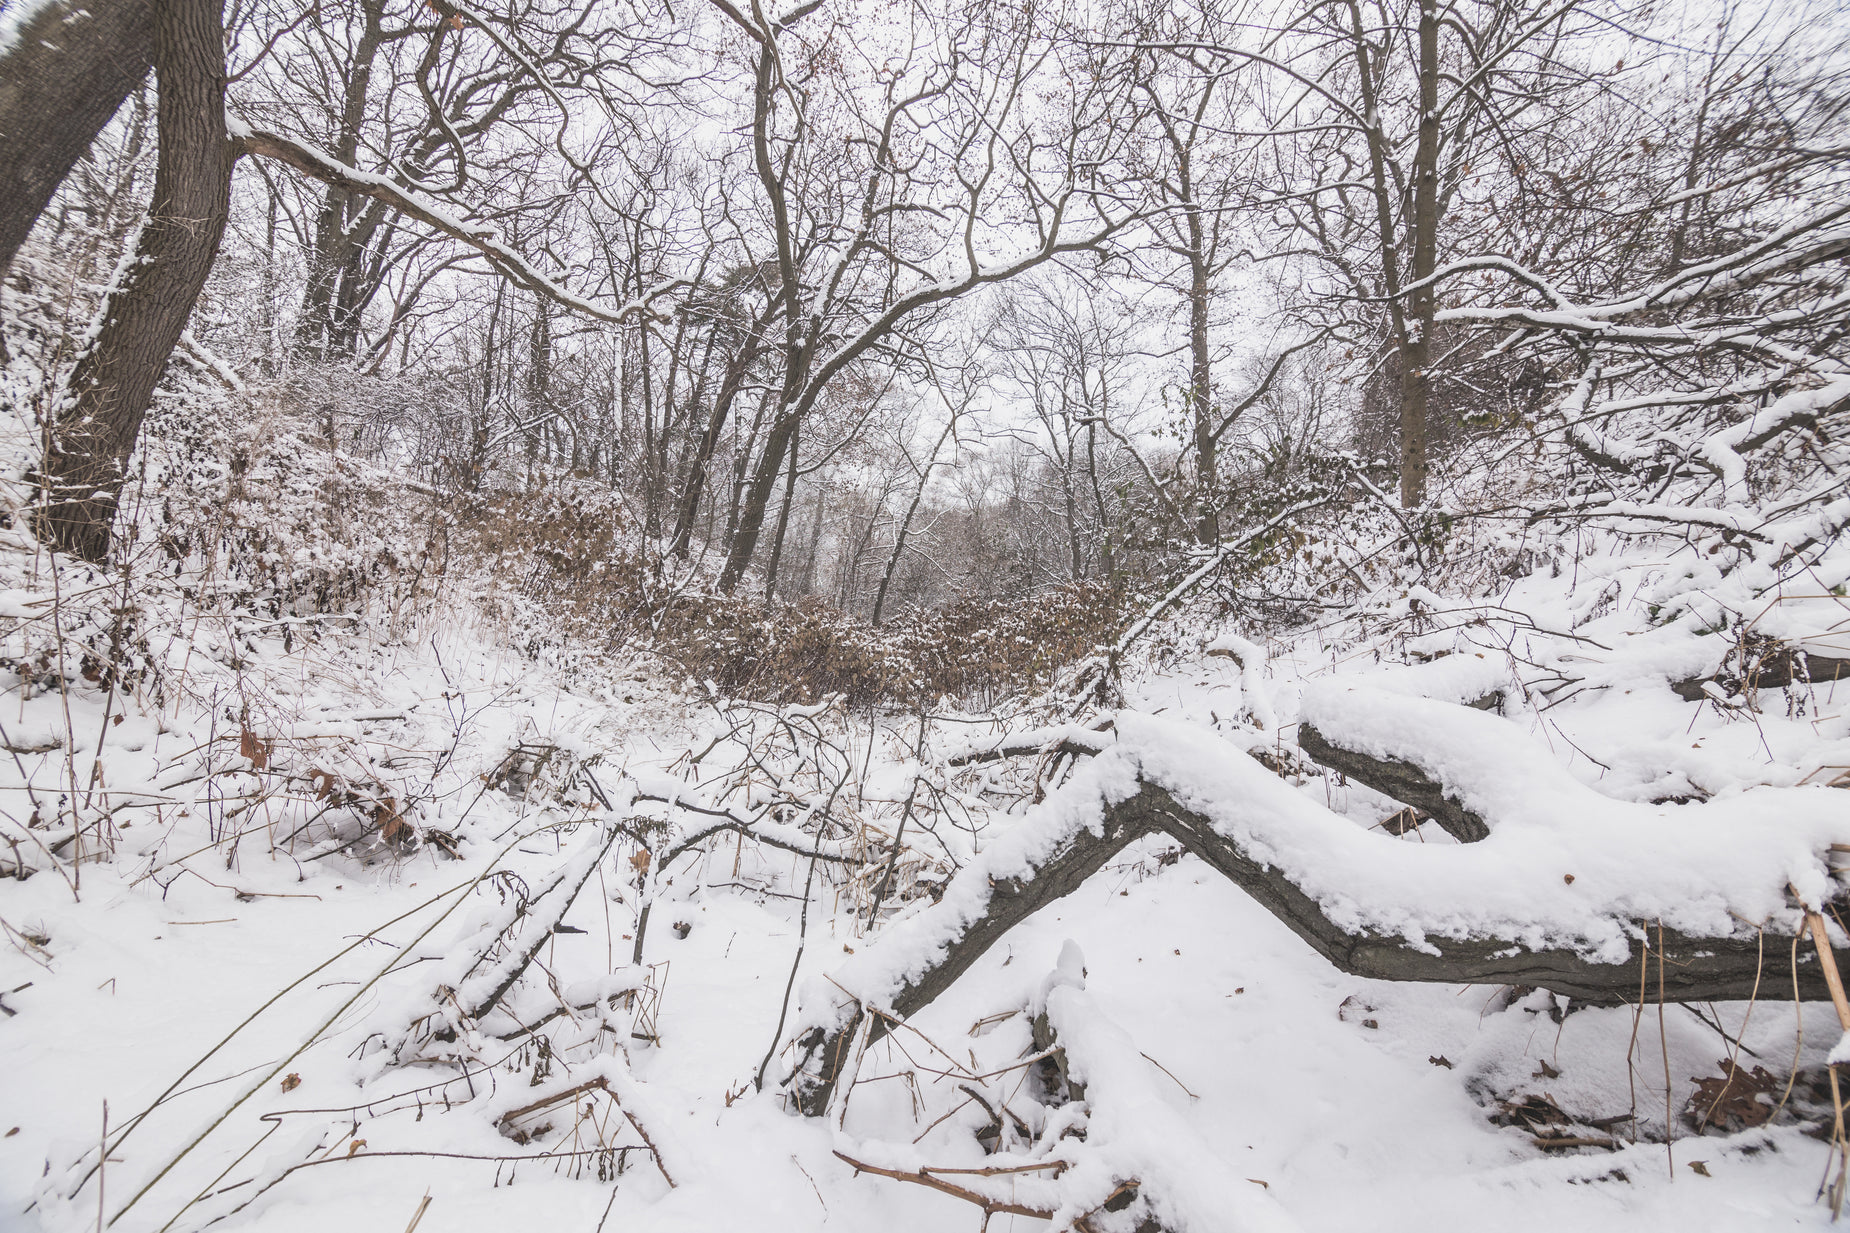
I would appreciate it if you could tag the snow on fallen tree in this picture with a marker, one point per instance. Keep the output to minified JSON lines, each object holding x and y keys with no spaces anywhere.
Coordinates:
{"x":1570,"y":891}
{"x":1112,"y":1153}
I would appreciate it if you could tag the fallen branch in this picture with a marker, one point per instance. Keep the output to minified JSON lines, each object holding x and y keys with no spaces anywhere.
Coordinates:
{"x":1273,"y":844}
{"x":990,"y":1206}
{"x":1776,"y":671}
{"x":1405,"y":782}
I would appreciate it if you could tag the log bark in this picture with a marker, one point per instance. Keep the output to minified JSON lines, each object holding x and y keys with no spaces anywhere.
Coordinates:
{"x":1405,"y":782}
{"x":1694,"y":969}
{"x":65,"y":75}
{"x":1776,"y":671}
{"x":146,"y":311}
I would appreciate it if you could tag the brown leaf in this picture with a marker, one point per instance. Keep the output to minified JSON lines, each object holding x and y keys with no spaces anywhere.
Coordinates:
{"x":291,"y":1081}
{"x":392,"y":826}
{"x":1529,"y":1113}
{"x":355,"y":1146}
{"x":257,"y":751}
{"x":1731,"y":1101}
{"x":640,"y":861}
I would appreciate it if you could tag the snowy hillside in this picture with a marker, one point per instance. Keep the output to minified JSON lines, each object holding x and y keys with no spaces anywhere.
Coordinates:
{"x":317,"y":914}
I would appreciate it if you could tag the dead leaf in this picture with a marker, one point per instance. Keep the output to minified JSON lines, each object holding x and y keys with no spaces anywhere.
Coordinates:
{"x":640,"y":861}
{"x":1701,"y":1168}
{"x":1730,"y":1101}
{"x":392,"y":826}
{"x":257,"y":751}
{"x":291,"y":1081}
{"x":1529,"y":1113}
{"x":355,"y":1146}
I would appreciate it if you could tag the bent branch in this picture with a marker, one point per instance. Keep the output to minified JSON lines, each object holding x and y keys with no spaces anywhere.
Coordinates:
{"x":1695,"y":968}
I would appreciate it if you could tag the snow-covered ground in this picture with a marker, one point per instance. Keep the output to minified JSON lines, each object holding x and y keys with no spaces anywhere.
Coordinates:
{"x":246,"y":967}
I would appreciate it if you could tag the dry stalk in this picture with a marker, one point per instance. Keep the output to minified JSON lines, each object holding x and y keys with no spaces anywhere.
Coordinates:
{"x":1840,"y":1142}
{"x":1734,"y":1058}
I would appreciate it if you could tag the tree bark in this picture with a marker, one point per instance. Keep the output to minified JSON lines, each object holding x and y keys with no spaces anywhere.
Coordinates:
{"x":758,"y":499}
{"x":334,"y":263}
{"x":694,"y":486}
{"x":1416,"y":341}
{"x":1207,"y":462}
{"x":1403,"y":781}
{"x":783,"y":524}
{"x":66,"y":74}
{"x":146,"y":311}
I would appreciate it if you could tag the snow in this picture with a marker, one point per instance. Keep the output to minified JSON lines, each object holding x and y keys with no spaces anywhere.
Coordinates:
{"x":15,"y":17}
{"x":1237,"y":1077}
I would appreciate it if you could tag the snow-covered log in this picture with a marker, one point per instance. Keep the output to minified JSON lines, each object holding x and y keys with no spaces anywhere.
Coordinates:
{"x":1398,"y":778}
{"x":1589,"y":897}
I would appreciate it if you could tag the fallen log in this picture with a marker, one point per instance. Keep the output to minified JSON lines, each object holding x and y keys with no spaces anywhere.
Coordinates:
{"x":1402,"y":780}
{"x":1774,"y":671}
{"x":1290,"y":855}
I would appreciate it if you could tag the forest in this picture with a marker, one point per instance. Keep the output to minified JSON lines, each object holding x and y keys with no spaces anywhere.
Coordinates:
{"x":1345,"y":499}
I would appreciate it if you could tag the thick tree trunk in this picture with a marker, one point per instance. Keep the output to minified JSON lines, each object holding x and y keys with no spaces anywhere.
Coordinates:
{"x":144,"y":315}
{"x":65,"y":75}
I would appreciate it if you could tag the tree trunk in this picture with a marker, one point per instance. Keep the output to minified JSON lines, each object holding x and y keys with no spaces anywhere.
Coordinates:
{"x":783,"y":524}
{"x":905,"y":523}
{"x":539,"y":378}
{"x":1416,"y":345}
{"x":757,"y":500}
{"x":334,"y":265}
{"x":145,"y":313}
{"x":67,"y":72}
{"x":1207,"y":464}
{"x":693,"y":487}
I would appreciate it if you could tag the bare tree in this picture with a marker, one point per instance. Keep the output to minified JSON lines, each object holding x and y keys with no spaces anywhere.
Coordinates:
{"x":898,"y":212}
{"x":1378,"y":116}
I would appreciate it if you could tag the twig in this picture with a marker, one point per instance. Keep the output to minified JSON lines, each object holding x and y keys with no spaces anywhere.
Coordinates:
{"x":990,"y":1206}
{"x":1146,"y":1057}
